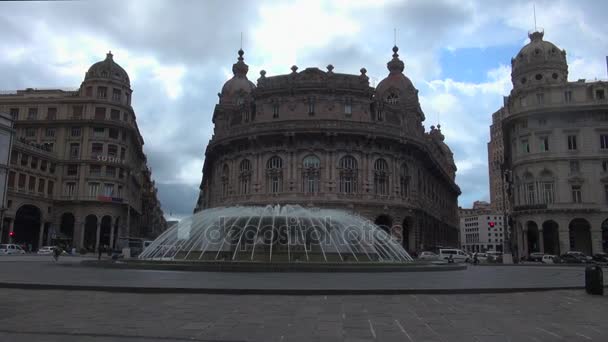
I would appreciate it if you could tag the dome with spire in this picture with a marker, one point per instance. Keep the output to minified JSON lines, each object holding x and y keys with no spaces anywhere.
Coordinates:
{"x":239,"y":84}
{"x":539,"y":62}
{"x":396,"y":85}
{"x":108,"y":70}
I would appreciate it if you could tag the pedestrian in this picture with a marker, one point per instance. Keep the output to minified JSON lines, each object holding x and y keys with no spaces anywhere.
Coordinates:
{"x":99,"y":251}
{"x":56,"y":252}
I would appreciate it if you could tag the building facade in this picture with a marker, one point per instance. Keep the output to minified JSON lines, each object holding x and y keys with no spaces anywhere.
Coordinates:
{"x":6,"y":143}
{"x":78,"y":173}
{"x":326,"y":139}
{"x":555,"y":136}
{"x":498,"y":185}
{"x":482,"y":228}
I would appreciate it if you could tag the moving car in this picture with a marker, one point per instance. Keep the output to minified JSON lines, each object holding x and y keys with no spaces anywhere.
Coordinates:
{"x":600,"y":257}
{"x":571,"y":259}
{"x":453,"y":255}
{"x":536,"y":256}
{"x":579,"y":255}
{"x":481,"y":257}
{"x":428,"y":256}
{"x":46,"y":250}
{"x":549,"y":259}
{"x":9,"y":248}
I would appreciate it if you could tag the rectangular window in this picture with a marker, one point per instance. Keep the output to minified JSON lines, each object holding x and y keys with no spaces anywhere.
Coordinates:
{"x":568,"y":96}
{"x":572,"y":142}
{"x":115,"y":114}
{"x":41,"y":185}
{"x":99,"y":132}
{"x":544,"y":144}
{"x":605,"y":165}
{"x":116,"y":95}
{"x":122,"y":153}
{"x":14,"y":157}
{"x":125,"y":117}
{"x":77,"y":112}
{"x":49,"y":188}
{"x":30,"y":132}
{"x":95,"y":170}
{"x":31,"y":185}
{"x":51,"y":113}
{"x":110,"y":171}
{"x":70,"y":189}
{"x":525,"y":146}
{"x":32,"y":114}
{"x":121,"y":173}
{"x":34,"y":163}
{"x":123,"y":135}
{"x":74,"y":151}
{"x":75,"y":132}
{"x":89,"y":91}
{"x":348,"y":106}
{"x":93,"y":189}
{"x":24,"y":159}
{"x":49,"y":132}
{"x":548,"y":193}
{"x":15,"y":113}
{"x":72,"y":170}
{"x":119,"y":192}
{"x":51,"y":168}
{"x":21,"y":182}
{"x":599,"y":94}
{"x":311,"y":106}
{"x":112,"y":150}
{"x":102,"y":92}
{"x":531,"y":193}
{"x":540,"y":98}
{"x":113,"y":133}
{"x":604,"y":141}
{"x":96,"y":149}
{"x":100,"y":113}
{"x":43,"y":165}
{"x":576,"y":194}
{"x":574,"y":166}
{"x":11,"y":179}
{"x":108,"y":190}
{"x":275,"y":110}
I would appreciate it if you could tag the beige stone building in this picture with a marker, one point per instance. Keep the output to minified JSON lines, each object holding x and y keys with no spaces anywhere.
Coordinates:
{"x":482,"y":228}
{"x":78,"y":174}
{"x":555,"y":135}
{"x":319,"y":138}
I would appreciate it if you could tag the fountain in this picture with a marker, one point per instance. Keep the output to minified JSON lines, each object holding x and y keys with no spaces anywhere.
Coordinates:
{"x":276,"y":234}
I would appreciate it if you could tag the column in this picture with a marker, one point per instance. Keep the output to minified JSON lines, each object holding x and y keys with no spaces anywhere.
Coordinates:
{"x":524,"y":237}
{"x":564,"y":239}
{"x":41,"y":234}
{"x":596,"y":239}
{"x":111,"y":236}
{"x":81,"y":238}
{"x":97,"y":235}
{"x":541,"y":242}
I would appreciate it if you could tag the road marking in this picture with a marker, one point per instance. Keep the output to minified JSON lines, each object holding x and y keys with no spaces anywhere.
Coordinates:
{"x":403,"y":331}
{"x":594,"y":329}
{"x":436,"y":300}
{"x":371,"y":328}
{"x":548,"y":332}
{"x":581,"y":335}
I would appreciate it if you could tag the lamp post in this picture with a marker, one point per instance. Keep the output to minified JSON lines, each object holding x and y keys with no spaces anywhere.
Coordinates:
{"x":506,"y":249}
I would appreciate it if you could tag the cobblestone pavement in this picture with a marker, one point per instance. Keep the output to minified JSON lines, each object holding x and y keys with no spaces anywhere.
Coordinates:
{"x":67,"y":272}
{"x":45,"y":315}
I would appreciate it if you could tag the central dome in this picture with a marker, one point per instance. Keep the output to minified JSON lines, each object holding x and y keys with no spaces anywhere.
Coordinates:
{"x":281,"y":234}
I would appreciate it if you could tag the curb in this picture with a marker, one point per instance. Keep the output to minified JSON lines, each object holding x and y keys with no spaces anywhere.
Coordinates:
{"x":282,"y":292}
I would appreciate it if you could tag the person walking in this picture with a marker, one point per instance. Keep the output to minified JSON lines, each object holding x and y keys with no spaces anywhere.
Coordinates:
{"x":56,"y":253}
{"x":99,"y":251}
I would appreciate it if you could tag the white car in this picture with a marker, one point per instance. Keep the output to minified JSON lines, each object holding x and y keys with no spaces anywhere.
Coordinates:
{"x":453,"y":255}
{"x":9,"y":248}
{"x":481,"y":257}
{"x":46,"y":250}
{"x":548,"y":259}
{"x":430,"y":256}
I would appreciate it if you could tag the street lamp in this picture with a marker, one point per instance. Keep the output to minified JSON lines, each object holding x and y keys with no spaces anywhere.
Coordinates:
{"x":506,"y":191}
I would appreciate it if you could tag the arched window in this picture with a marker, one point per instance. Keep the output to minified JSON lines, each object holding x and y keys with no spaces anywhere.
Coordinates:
{"x":381,"y":177}
{"x":225,"y":180}
{"x":348,"y":175}
{"x":404,"y":180}
{"x":245,"y":177}
{"x":274,"y":174}
{"x":547,"y":187}
{"x":311,"y":174}
{"x":392,"y":98}
{"x":529,"y":189}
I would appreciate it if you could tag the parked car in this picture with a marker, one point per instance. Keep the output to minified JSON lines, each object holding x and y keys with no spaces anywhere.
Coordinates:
{"x":9,"y":248}
{"x":46,"y":250}
{"x":481,"y":257}
{"x":549,"y":259}
{"x":536,"y":256}
{"x":571,"y":259}
{"x":453,"y":255}
{"x":428,"y":256}
{"x":600,"y":257}
{"x":494,"y":256}
{"x":580,"y":255}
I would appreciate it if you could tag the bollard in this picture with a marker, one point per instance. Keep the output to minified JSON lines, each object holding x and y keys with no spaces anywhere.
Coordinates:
{"x":594,"y":280}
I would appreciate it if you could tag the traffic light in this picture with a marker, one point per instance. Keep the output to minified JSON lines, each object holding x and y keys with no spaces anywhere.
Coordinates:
{"x":11,"y":234}
{"x":491,"y":224}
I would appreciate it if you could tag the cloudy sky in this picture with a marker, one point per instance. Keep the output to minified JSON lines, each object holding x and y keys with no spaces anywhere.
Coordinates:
{"x":179,"y":53}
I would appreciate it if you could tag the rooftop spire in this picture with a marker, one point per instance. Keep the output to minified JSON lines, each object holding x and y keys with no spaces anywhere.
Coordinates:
{"x":240,"y":68}
{"x":395,"y":65}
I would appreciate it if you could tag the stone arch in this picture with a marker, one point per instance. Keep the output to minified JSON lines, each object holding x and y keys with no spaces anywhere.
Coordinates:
{"x":385,"y":222}
{"x":580,"y":236}
{"x":551,"y":237}
{"x":90,"y":232}
{"x":532,"y":236}
{"x":605,"y":236}
{"x":66,"y":227}
{"x":105,"y":231}
{"x":26,"y":229}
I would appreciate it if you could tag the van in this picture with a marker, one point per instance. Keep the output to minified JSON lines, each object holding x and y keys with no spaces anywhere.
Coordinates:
{"x":453,"y":255}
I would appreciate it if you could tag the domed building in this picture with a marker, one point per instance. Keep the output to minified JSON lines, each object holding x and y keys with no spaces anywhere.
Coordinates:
{"x":319,"y":138}
{"x":78,"y":175}
{"x":553,"y":154}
